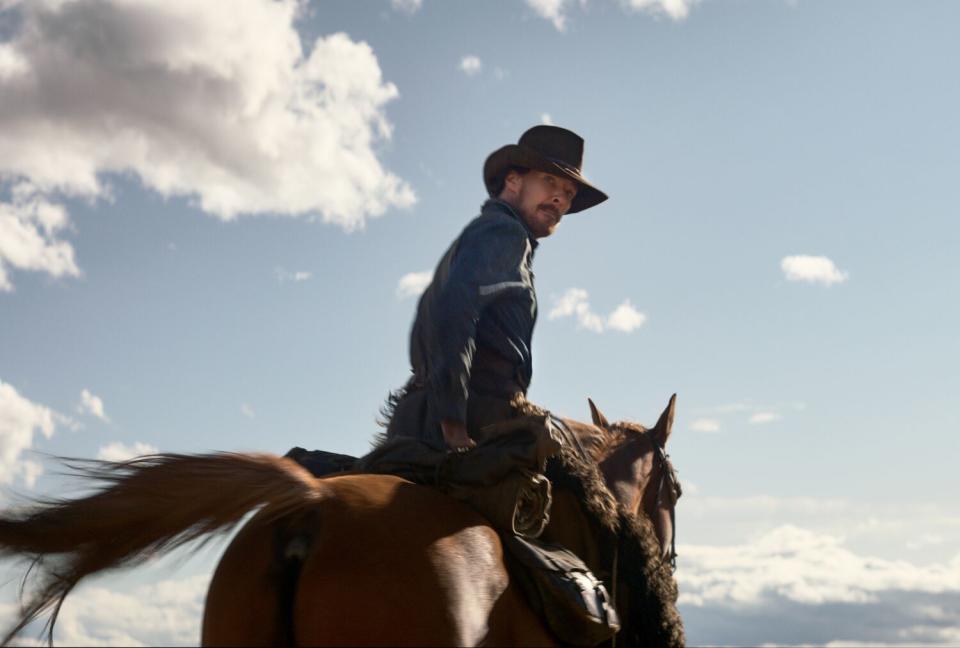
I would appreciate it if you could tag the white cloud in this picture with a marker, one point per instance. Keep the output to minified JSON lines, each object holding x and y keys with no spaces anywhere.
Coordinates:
{"x":30,"y":227}
{"x":556,"y":11}
{"x":812,"y":269}
{"x":552,"y":10}
{"x":167,"y":613}
{"x":413,"y":284}
{"x":925,"y":540}
{"x":284,"y":275}
{"x":675,"y":9}
{"x":793,"y":586}
{"x":247,"y":411}
{"x":118,"y":451}
{"x":19,"y":420}
{"x":217,"y":102}
{"x":759,"y":418}
{"x":91,"y":404}
{"x":471,"y":65}
{"x":575,"y":303}
{"x":407,"y":6}
{"x":545,"y":118}
{"x":802,"y":566}
{"x":705,"y":425}
{"x":626,"y":318}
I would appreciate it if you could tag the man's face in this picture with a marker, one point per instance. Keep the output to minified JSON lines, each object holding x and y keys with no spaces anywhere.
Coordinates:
{"x":541,"y":198}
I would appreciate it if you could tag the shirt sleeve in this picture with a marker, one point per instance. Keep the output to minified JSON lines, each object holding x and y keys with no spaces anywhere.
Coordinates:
{"x":487,"y":265}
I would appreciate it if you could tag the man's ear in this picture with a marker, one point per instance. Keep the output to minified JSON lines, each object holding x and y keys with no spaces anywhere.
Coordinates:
{"x":512,"y":181}
{"x":598,"y":418}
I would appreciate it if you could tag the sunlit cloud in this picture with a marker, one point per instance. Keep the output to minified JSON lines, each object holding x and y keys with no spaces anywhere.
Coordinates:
{"x":705,"y":425}
{"x":407,"y":6}
{"x":812,"y":269}
{"x":91,"y":404}
{"x":285,"y":276}
{"x":674,"y":9}
{"x":552,"y":10}
{"x":575,"y":303}
{"x":471,"y":65}
{"x":784,"y":578}
{"x":30,"y":235}
{"x":557,"y":11}
{"x":216,"y":102}
{"x":118,"y":451}
{"x":20,"y":420}
{"x":759,"y":418}
{"x":625,"y":318}
{"x":545,"y":118}
{"x":413,"y":284}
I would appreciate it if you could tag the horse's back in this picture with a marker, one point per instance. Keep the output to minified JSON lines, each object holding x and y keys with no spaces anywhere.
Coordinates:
{"x":385,"y":562}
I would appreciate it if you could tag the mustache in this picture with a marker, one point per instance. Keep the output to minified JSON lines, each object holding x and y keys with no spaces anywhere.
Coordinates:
{"x":550,"y":208}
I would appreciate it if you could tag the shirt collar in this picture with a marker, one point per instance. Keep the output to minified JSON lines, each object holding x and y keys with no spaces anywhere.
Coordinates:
{"x":502,"y":207}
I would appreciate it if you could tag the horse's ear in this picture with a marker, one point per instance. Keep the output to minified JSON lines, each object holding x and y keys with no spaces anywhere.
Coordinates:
{"x":598,"y":418}
{"x":661,"y":431}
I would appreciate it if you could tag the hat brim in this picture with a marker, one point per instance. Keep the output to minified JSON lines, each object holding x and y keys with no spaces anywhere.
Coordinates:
{"x":515,"y":155}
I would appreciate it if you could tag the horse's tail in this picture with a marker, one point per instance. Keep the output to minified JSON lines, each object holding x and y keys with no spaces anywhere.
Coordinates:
{"x":149,"y":505}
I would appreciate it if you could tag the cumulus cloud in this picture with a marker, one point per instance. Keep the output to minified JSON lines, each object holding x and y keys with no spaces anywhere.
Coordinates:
{"x":705,"y":425}
{"x":793,"y":585}
{"x":557,"y":11}
{"x":30,"y":231}
{"x":552,"y":10}
{"x":20,"y":419}
{"x":805,"y":567}
{"x":575,"y":303}
{"x":407,"y":6}
{"x":471,"y":65}
{"x":674,"y":9}
{"x":91,"y":404}
{"x":166,"y":613}
{"x":812,"y":269}
{"x":625,"y":318}
{"x":413,"y":284}
{"x":117,"y":451}
{"x":216,"y":102}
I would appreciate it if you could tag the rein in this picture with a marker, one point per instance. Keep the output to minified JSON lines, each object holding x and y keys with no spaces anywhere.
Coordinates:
{"x":668,"y":477}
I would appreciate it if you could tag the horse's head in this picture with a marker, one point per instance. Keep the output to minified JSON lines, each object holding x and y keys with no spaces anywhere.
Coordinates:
{"x":638,"y":472}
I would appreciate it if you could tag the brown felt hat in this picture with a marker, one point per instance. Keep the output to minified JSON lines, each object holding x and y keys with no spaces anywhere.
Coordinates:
{"x":547,"y":148}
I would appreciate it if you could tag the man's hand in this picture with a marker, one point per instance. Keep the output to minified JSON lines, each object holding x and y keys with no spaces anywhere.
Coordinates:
{"x":455,"y":434}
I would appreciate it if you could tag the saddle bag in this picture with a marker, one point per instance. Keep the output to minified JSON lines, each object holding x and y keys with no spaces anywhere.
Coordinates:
{"x":572,"y":601}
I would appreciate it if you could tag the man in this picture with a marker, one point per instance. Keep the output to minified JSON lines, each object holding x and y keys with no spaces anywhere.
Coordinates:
{"x":470,"y":345}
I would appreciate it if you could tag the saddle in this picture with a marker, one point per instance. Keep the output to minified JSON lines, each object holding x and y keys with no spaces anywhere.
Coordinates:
{"x":502,"y":478}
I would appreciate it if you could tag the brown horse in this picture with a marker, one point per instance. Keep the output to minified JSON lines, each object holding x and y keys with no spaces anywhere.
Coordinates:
{"x":366,"y":559}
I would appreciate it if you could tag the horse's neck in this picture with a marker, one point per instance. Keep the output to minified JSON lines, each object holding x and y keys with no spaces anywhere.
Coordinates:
{"x":570,"y":527}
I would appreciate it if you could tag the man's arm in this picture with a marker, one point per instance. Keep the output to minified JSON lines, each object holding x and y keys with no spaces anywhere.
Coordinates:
{"x":488,"y":265}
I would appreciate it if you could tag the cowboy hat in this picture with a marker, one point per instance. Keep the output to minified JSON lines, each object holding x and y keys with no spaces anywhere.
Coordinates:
{"x":547,"y":148}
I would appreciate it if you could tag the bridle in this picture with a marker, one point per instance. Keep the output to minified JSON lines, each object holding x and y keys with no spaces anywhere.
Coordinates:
{"x":670,"y":484}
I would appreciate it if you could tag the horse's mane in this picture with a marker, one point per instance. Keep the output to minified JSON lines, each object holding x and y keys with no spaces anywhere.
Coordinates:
{"x":652,"y":618}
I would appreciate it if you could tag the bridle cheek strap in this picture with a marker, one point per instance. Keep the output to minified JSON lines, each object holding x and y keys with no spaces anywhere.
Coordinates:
{"x":668,"y":478}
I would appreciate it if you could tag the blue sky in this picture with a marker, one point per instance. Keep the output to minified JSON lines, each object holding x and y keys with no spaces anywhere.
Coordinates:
{"x":207,"y":218}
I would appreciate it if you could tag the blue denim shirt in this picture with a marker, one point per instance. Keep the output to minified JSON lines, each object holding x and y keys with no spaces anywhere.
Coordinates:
{"x":482,"y":294}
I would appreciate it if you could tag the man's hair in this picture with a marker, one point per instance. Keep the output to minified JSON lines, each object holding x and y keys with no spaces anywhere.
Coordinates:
{"x":502,"y":180}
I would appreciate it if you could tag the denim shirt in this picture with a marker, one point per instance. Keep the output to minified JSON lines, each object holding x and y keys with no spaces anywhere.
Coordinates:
{"x":482,"y":294}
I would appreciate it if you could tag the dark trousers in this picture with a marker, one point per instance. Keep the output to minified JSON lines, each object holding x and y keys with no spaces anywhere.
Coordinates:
{"x":415,"y":417}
